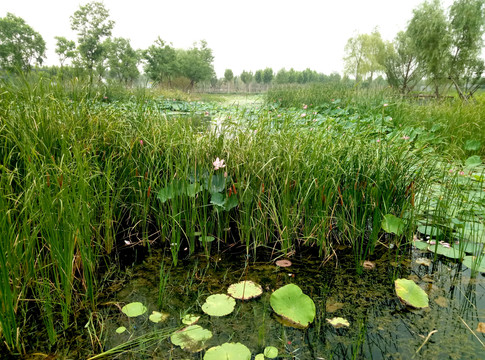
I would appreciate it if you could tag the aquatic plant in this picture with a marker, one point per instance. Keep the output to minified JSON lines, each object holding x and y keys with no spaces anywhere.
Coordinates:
{"x":192,"y":338}
{"x":411,"y":294}
{"x":293,"y":305}
{"x":228,"y":351}
{"x":245,"y":290}
{"x":218,"y":305}
{"x":270,"y":352}
{"x":338,"y":322}
{"x":134,"y":309}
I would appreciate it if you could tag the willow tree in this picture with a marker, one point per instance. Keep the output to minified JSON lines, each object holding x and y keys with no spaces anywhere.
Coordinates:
{"x":20,"y":46}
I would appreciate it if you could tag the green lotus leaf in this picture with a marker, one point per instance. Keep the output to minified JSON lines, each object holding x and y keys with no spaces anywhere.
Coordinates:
{"x":157,"y":317}
{"x":475,"y":263}
{"x":392,"y":224}
{"x":338,"y":322}
{"x":134,"y":309}
{"x":190,"y":319}
{"x":411,"y":294}
{"x":449,"y":252}
{"x":473,"y":161}
{"x":192,"y":338}
{"x":270,"y":352}
{"x":259,"y":357}
{"x":228,"y":351}
{"x":219,"y":305}
{"x":290,"y":303}
{"x":421,"y":245}
{"x":472,"y":145}
{"x":245,"y":290}
{"x":120,"y":330}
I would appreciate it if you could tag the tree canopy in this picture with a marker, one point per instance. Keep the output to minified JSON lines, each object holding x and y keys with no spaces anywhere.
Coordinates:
{"x":20,"y":45}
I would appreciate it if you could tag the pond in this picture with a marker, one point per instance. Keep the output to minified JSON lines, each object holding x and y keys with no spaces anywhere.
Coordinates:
{"x":381,"y":327}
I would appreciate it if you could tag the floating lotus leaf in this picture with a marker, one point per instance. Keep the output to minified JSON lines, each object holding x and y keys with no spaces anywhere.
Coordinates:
{"x":473,"y":161}
{"x":134,"y":309}
{"x":228,"y":351}
{"x":449,"y":252}
{"x":475,"y":263}
{"x":472,"y":145}
{"x":219,"y":305}
{"x":245,"y":290}
{"x":120,"y":330}
{"x":270,"y":352}
{"x":411,"y":294}
{"x":290,"y":303}
{"x":392,"y":224}
{"x":338,"y":322}
{"x":157,"y":317}
{"x":190,"y":319}
{"x":421,"y":245}
{"x":192,"y":338}
{"x":259,"y":357}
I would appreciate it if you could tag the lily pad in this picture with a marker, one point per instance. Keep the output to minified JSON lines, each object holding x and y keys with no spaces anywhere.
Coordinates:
{"x":192,"y":338}
{"x":259,"y":357}
{"x":245,"y":290}
{"x":338,"y":322}
{"x":228,"y":351}
{"x":219,"y":305}
{"x":411,"y":294}
{"x":270,"y":352}
{"x":473,"y":161}
{"x":120,"y":330}
{"x":157,"y":317}
{"x":392,"y":224}
{"x":134,"y":309}
{"x":292,"y":304}
{"x":475,"y":263}
{"x":190,"y":319}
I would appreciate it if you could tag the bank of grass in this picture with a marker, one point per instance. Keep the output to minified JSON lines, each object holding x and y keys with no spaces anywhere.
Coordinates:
{"x":80,"y":174}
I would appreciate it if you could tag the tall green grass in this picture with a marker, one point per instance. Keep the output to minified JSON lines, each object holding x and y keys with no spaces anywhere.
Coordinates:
{"x":83,"y":176}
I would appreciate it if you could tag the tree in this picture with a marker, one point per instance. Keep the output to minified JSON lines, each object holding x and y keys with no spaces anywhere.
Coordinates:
{"x":196,"y":63}
{"x":467,"y":26}
{"x":20,"y":45}
{"x":268,"y":76}
{"x":122,"y":60}
{"x":247,"y":78}
{"x":401,"y":65}
{"x":161,"y":62}
{"x":431,"y":41}
{"x":93,"y":26}
{"x":363,"y":55}
{"x":258,"y":76}
{"x":228,"y":77}
{"x":65,"y":49}
{"x":282,"y":76}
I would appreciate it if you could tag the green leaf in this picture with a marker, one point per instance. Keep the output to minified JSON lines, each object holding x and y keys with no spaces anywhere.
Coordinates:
{"x":193,"y":189}
{"x":206,"y":239}
{"x":290,"y":303}
{"x":219,"y":305}
{"x":190,"y":319}
{"x":410,"y":293}
{"x":228,"y":351}
{"x":120,"y":330}
{"x":230,"y":202}
{"x":218,"y":183}
{"x":270,"y":352}
{"x":134,"y":309}
{"x":472,"y":145}
{"x":392,"y":224}
{"x":157,"y":317}
{"x":259,"y":357}
{"x":476,"y":263}
{"x":217,"y":199}
{"x":192,"y":338}
{"x":245,"y":290}
{"x":473,"y":161}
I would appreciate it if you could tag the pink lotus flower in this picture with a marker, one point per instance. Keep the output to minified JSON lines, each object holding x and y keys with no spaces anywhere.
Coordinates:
{"x":385,"y":105}
{"x":462,"y":173}
{"x":405,"y":138}
{"x":305,"y":106}
{"x":141,"y":142}
{"x":303,"y":115}
{"x":218,"y":164}
{"x":378,"y":140}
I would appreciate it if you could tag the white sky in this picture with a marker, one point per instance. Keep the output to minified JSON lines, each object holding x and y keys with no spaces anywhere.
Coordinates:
{"x":244,"y":35}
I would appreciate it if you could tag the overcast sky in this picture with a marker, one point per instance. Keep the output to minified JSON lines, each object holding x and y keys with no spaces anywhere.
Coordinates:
{"x":244,"y":35}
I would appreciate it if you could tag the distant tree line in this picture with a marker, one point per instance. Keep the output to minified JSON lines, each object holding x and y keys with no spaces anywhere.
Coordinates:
{"x":439,"y":48}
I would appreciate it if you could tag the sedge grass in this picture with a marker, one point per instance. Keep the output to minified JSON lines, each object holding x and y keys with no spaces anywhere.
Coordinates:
{"x":78,"y":174}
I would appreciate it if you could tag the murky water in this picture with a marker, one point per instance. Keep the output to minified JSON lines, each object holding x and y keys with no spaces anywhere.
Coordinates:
{"x":380,"y":326}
